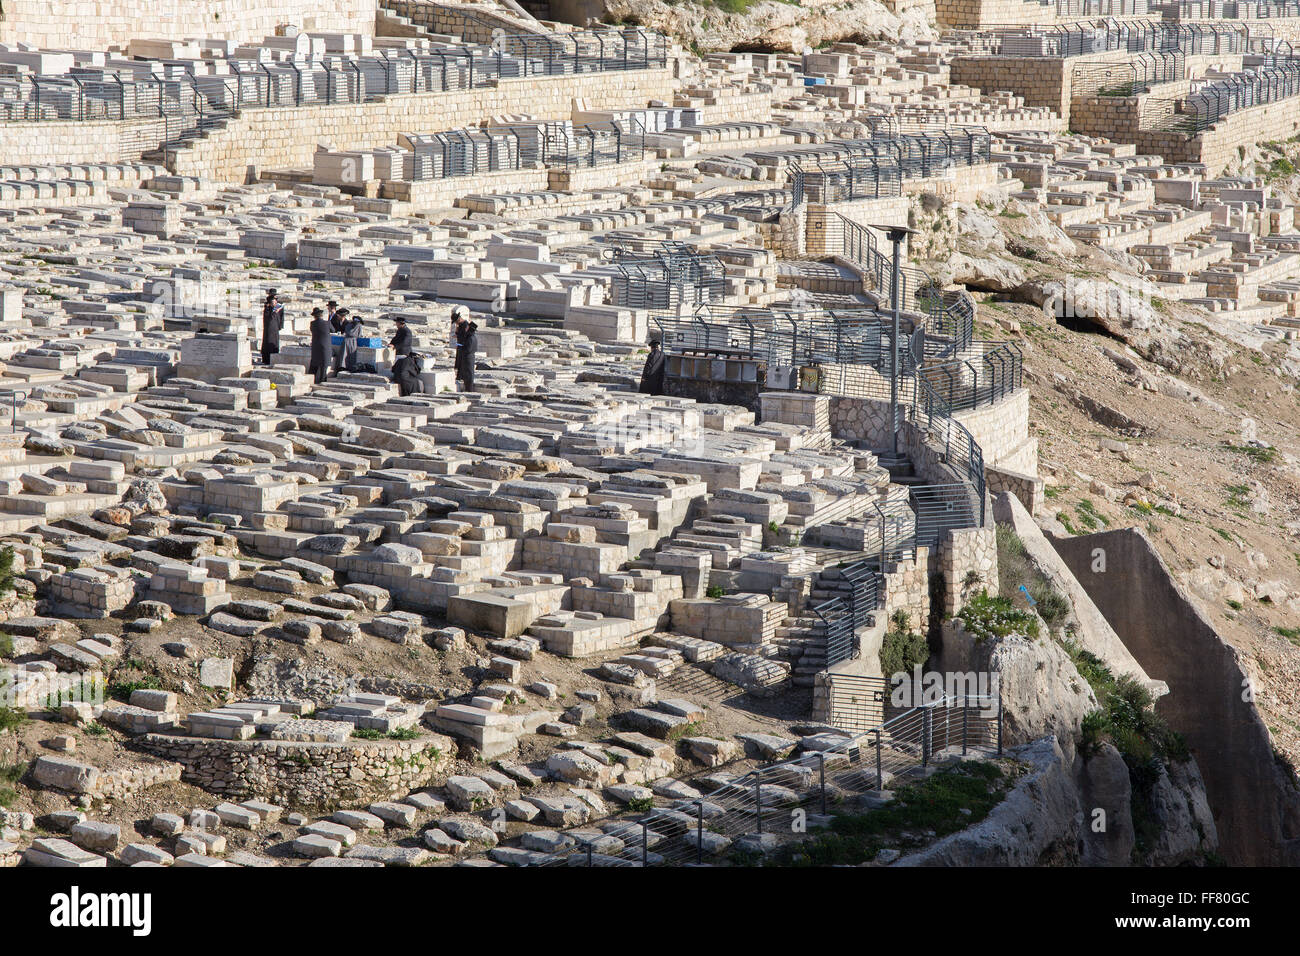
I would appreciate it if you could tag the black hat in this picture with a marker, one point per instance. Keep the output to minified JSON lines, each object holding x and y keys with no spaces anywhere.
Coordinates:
{"x":400,"y":318}
{"x":317,"y":312}
{"x":331,"y":302}
{"x":272,"y":293}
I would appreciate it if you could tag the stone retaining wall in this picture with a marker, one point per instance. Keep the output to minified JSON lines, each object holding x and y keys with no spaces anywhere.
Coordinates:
{"x":286,"y":137}
{"x":306,"y":774}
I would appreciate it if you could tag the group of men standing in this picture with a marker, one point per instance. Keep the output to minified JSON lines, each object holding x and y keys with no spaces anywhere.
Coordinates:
{"x":333,"y":320}
{"x":409,"y":365}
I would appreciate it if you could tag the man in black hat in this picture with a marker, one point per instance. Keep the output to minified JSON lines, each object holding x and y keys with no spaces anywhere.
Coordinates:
{"x":652,"y":376}
{"x":272,"y":323}
{"x":320,"y":345}
{"x":402,"y":339}
{"x":466,"y":347}
{"x":332,"y":313}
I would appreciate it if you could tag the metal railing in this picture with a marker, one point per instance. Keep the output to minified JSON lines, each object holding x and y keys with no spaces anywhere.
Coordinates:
{"x":994,"y":371}
{"x":841,"y":617}
{"x":1130,"y":77}
{"x":872,"y":168}
{"x":1211,"y":102}
{"x":764,"y":800}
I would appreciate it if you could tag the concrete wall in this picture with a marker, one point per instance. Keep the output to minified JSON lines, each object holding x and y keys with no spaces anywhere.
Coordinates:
{"x":100,"y":24}
{"x":1256,"y":803}
{"x":286,"y":137}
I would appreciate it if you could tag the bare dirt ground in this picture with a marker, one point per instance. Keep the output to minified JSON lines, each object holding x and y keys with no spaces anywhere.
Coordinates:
{"x":1224,"y":514}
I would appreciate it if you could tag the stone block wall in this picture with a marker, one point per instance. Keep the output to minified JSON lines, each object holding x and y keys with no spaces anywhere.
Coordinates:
{"x":305,"y":774}
{"x":967,"y":562}
{"x":972,"y":14}
{"x":907,"y":589}
{"x":1002,"y":432}
{"x":92,"y":141}
{"x":101,"y":24}
{"x":1038,"y":80}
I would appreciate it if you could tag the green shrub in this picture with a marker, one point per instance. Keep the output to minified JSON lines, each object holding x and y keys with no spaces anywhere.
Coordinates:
{"x":901,"y":651}
{"x":11,"y":719}
{"x":935,"y":805}
{"x":6,"y":569}
{"x":6,"y":645}
{"x":986,"y":617}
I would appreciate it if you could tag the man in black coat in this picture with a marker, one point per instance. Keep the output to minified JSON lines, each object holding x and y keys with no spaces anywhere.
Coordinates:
{"x":402,"y":339}
{"x":406,"y":373}
{"x":272,"y":323}
{"x":467,"y":345}
{"x":652,"y":376}
{"x":321,"y":347}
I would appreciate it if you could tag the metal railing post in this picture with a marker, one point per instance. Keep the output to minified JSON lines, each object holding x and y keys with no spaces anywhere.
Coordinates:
{"x":822,"y":756}
{"x":965,"y":722}
{"x":758,"y":803}
{"x":925,"y":736}
{"x":699,"y":831}
{"x":880,"y":761}
{"x":645,"y":843}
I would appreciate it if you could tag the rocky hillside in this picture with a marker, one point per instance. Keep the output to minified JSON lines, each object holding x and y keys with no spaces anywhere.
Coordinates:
{"x":1151,"y":414}
{"x":775,"y":25}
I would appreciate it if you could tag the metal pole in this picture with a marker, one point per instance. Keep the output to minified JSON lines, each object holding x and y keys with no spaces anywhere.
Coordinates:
{"x":645,"y":843}
{"x":880,"y":773}
{"x":965,"y":715}
{"x":758,"y":803}
{"x":699,"y":831}
{"x":822,"y":755}
{"x":999,"y":725}
{"x":893,"y":350}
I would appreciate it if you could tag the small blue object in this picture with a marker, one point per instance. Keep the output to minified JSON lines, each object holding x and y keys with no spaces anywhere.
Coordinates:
{"x":814,"y":81}
{"x":336,"y":339}
{"x":1025,"y":590}
{"x":372,"y":342}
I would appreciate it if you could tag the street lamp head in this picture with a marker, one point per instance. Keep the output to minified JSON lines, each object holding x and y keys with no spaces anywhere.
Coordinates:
{"x":893,"y":233}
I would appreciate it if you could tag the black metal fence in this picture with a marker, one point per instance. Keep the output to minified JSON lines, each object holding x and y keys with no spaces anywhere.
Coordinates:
{"x":841,"y":617}
{"x":1211,"y":102}
{"x":669,"y":277}
{"x":870,"y":169}
{"x":984,"y":375}
{"x":1084,"y":37}
{"x":1130,"y":77}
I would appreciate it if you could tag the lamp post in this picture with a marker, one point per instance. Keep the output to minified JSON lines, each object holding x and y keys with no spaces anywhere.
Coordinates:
{"x":896,"y":235}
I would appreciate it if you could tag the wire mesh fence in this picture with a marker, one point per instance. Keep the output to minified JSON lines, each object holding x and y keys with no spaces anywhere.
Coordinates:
{"x":778,"y":798}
